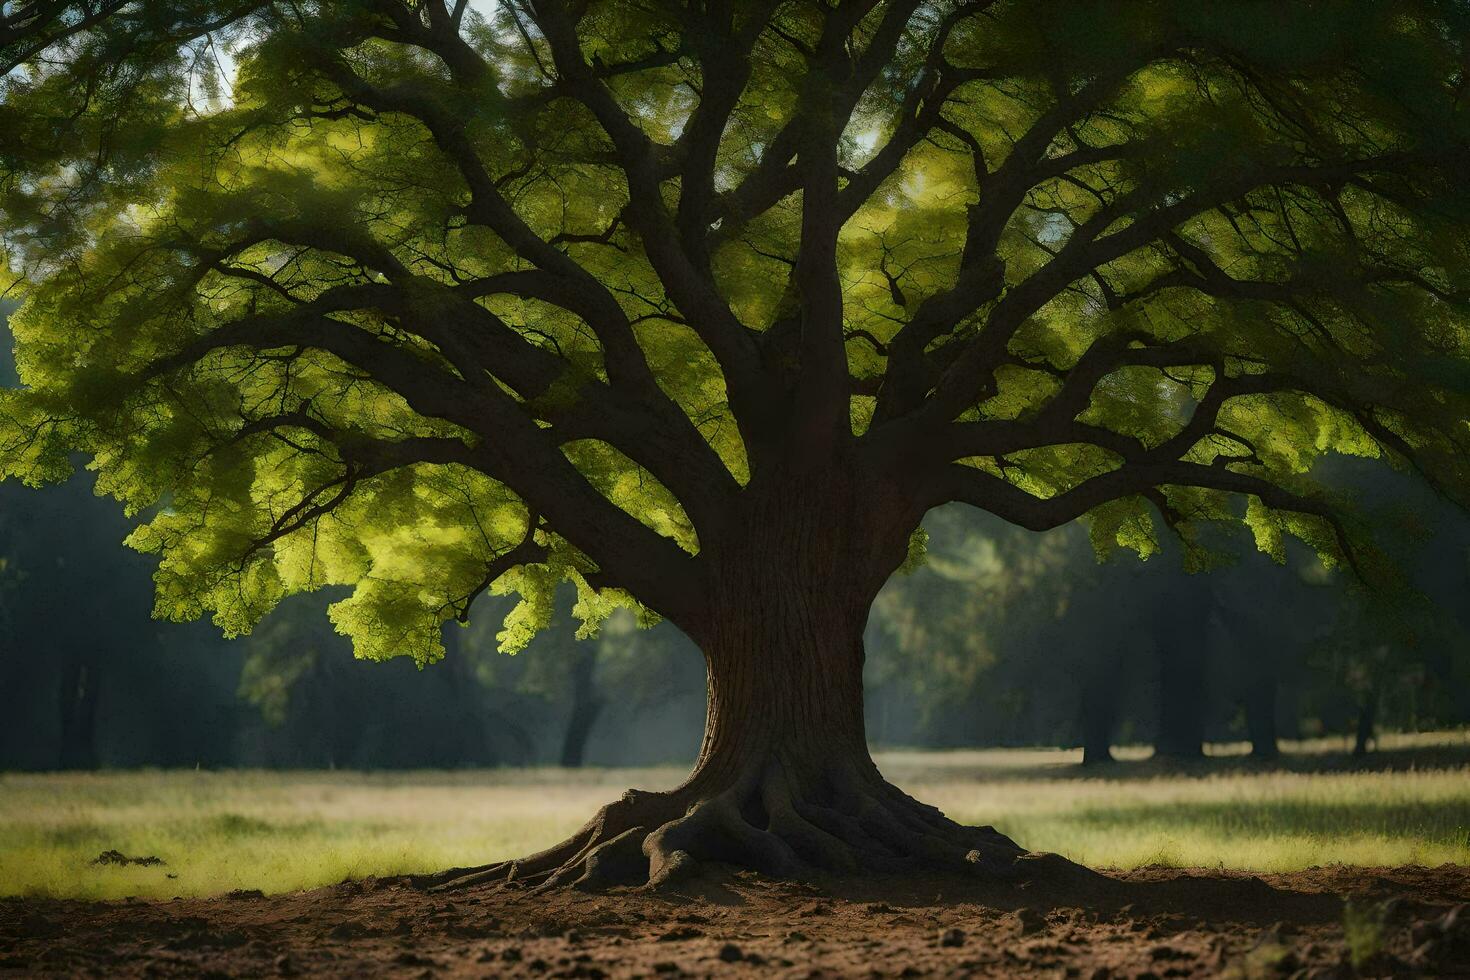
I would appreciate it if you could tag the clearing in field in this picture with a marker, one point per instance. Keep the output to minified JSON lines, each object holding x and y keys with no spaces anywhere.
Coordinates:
{"x":1303,"y":824}
{"x":278,"y":832}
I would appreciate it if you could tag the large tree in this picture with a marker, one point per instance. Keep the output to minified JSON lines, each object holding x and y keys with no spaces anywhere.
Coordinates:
{"x":111,"y":69}
{"x":703,"y":305}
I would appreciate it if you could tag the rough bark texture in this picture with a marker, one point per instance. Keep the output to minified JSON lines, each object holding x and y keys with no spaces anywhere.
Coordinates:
{"x":784,"y":783}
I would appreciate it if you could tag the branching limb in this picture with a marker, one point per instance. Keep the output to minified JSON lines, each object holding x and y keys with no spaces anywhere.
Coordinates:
{"x":512,"y":448}
{"x":966,"y":484}
{"x":525,"y":552}
{"x":691,"y":289}
{"x":1089,"y":249}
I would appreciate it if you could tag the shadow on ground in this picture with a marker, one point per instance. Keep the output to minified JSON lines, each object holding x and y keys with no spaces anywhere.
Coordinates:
{"x":1064,"y":922}
{"x":998,"y":765}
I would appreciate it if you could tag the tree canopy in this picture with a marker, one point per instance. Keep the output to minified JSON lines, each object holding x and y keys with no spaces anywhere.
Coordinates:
{"x":429,"y":298}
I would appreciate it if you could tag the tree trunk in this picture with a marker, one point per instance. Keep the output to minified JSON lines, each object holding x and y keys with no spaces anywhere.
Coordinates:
{"x":1097,"y":733}
{"x":1367,"y":720}
{"x":1260,"y":715}
{"x":784,"y":783}
{"x":77,"y":703}
{"x":1098,"y":708}
{"x":1181,"y":705}
{"x":478,"y":730}
{"x":1178,"y":627}
{"x":586,"y":706}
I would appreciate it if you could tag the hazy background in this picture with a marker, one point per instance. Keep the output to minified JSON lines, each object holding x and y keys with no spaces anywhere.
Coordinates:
{"x":1004,"y":637}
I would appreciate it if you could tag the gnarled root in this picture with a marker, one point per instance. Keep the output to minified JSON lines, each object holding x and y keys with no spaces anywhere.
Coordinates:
{"x":763,"y":821}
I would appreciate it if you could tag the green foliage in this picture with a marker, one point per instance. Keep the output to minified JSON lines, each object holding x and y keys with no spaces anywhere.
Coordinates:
{"x":943,"y":633}
{"x":373,"y":295}
{"x":1127,"y":523}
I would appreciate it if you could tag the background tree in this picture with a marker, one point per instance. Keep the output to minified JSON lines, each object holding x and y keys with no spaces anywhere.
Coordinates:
{"x":86,"y":678}
{"x":324,"y":709}
{"x":703,"y":306}
{"x":1052,"y":647}
{"x":481,"y":708}
{"x":291,"y":696}
{"x":1402,"y":645}
{"x":1004,"y":636}
{"x":579,"y":684}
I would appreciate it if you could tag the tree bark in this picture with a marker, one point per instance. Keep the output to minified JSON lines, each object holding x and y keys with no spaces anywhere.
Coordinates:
{"x":784,"y":783}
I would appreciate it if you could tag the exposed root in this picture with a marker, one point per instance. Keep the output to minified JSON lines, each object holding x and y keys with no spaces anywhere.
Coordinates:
{"x":762,"y":821}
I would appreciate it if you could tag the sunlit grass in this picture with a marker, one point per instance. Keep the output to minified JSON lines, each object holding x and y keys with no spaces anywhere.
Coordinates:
{"x":1262,"y":822}
{"x":284,"y":831}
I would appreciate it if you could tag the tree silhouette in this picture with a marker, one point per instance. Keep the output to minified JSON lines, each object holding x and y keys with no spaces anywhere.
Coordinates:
{"x":703,"y":305}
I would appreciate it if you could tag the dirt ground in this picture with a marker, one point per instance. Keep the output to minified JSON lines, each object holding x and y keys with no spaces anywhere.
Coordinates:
{"x":1150,"y":923}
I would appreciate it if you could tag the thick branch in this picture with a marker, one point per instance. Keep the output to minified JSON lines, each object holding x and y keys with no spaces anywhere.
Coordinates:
{"x":692,"y":290}
{"x":511,"y":448}
{"x":965,"y":484}
{"x":1089,"y":250}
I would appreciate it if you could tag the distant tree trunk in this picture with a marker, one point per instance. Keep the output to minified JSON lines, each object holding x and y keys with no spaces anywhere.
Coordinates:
{"x":1260,"y":715}
{"x":1098,"y":710}
{"x":1181,"y":706}
{"x":586,"y":706}
{"x":1367,"y":720}
{"x":1178,"y":631}
{"x":1254,"y":648}
{"x":77,"y":703}
{"x":1097,"y":739}
{"x":478,"y":747}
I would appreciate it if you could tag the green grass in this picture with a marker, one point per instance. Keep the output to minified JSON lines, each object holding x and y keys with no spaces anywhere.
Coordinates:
{"x":285,"y":831}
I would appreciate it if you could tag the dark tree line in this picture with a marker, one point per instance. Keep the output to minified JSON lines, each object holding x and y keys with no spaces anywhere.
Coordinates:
{"x":999,"y":639}
{"x":1072,"y":652}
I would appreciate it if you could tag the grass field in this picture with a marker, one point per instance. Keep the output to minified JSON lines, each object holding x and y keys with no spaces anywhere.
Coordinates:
{"x":283,"y":831}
